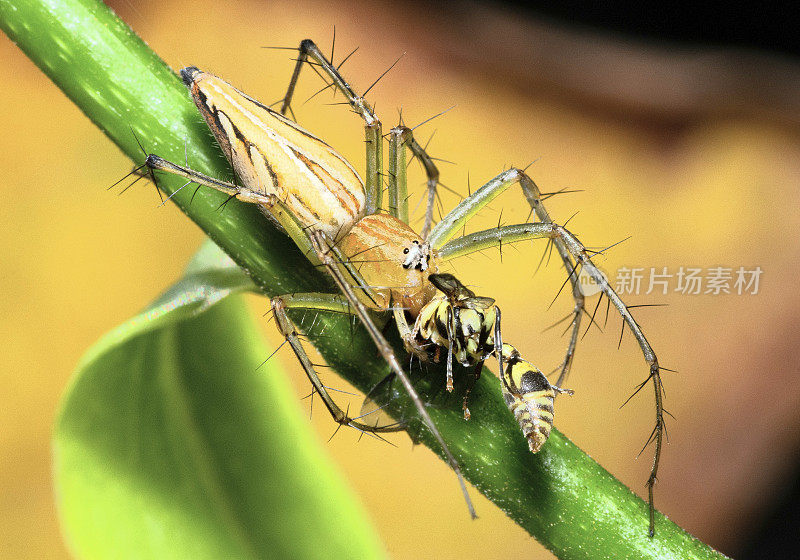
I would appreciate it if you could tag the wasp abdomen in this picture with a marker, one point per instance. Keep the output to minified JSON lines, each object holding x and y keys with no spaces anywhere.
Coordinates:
{"x":530,"y":397}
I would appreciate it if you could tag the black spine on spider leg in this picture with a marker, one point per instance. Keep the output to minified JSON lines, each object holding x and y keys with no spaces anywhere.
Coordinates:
{"x":150,"y":169}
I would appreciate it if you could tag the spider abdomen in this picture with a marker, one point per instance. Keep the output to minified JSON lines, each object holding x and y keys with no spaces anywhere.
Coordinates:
{"x":272,"y":154}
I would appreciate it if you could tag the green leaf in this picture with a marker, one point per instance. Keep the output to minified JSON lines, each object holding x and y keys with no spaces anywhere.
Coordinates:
{"x":172,"y":442}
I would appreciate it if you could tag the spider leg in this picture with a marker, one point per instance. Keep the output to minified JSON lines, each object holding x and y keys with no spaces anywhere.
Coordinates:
{"x":322,"y":246}
{"x":408,"y":335}
{"x":157,"y":163}
{"x":309,"y":53}
{"x":432,"y":174}
{"x":269,"y":204}
{"x":381,"y":392}
{"x":562,"y":237}
{"x":467,"y":208}
{"x":364,"y":292}
{"x":401,"y":138}
{"x":398,"y":204}
{"x":318,"y":302}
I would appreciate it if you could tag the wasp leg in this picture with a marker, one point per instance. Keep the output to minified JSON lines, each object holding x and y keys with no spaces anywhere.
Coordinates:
{"x":450,"y":340}
{"x":562,"y":237}
{"x":322,"y":246}
{"x":476,"y":374}
{"x":318,"y":302}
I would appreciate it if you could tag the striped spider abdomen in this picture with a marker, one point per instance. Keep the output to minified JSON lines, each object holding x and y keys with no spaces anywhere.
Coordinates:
{"x":273,"y":155}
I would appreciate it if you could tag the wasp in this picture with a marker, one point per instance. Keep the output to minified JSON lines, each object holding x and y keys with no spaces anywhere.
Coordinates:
{"x":469,"y":327}
{"x":378,"y":262}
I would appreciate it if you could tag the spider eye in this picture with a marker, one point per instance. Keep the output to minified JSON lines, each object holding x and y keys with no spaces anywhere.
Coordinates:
{"x":405,"y":251}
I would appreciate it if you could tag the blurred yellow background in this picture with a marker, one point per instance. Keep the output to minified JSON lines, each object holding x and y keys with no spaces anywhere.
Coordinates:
{"x":694,"y":188}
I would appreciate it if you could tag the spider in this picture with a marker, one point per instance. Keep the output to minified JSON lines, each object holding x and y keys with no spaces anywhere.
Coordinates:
{"x":378,"y":262}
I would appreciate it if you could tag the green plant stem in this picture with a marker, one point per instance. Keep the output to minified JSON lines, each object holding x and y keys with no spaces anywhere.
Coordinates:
{"x":560,"y":496}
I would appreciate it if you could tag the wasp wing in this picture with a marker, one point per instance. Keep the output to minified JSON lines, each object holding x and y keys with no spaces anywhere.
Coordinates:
{"x":478,"y":303}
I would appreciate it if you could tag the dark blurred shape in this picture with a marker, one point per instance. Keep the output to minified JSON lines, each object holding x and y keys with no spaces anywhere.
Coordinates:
{"x":652,"y":65}
{"x":779,"y":533}
{"x":762,"y":26}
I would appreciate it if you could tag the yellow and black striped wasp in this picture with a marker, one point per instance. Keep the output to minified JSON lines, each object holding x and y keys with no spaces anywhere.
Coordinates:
{"x":468,"y":326}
